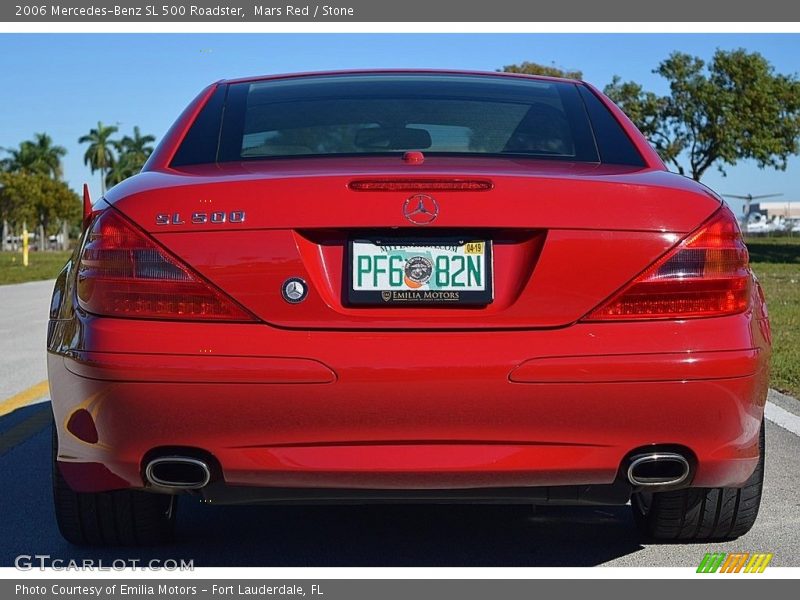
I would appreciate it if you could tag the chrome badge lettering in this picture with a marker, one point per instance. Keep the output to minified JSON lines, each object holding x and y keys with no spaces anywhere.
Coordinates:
{"x":202,"y":218}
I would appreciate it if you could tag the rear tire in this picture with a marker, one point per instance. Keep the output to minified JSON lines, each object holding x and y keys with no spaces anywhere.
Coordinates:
{"x":117,"y":518}
{"x":701,"y":513}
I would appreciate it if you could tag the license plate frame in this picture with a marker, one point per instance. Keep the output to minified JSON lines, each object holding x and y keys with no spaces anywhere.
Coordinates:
{"x":410,"y":298}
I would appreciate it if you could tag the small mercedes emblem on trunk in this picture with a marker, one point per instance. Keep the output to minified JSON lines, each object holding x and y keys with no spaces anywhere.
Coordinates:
{"x":420,"y":209}
{"x":294,"y":290}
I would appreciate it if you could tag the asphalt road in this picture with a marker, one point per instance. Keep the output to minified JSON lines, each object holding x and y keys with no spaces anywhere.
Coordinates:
{"x":23,"y":331}
{"x":410,"y":535}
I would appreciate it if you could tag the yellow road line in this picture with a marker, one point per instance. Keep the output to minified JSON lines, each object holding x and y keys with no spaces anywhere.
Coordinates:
{"x":25,"y":397}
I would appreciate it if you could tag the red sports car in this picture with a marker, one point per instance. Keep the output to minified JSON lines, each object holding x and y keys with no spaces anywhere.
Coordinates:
{"x":407,"y":286}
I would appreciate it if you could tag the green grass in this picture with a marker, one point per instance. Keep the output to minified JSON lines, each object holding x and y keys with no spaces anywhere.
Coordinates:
{"x":776,"y":262}
{"x":41,"y":265}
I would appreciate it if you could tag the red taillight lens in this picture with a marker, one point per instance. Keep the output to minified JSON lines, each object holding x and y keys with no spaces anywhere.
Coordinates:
{"x":123,"y":273}
{"x":706,"y":275}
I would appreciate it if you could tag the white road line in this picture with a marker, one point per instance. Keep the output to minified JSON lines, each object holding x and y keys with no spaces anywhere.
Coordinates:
{"x":783,"y":418}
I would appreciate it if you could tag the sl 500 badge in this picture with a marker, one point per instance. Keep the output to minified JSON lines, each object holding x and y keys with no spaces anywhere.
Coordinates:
{"x":201,"y":218}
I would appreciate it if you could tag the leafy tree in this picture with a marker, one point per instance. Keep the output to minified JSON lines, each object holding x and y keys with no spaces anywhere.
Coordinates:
{"x":132,"y":153}
{"x":37,"y":199}
{"x":39,"y":155}
{"x":734,"y":108}
{"x":100,"y":153}
{"x":532,"y":68}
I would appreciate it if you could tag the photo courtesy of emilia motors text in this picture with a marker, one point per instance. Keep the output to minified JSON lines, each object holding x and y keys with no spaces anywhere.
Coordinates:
{"x":398,"y":300}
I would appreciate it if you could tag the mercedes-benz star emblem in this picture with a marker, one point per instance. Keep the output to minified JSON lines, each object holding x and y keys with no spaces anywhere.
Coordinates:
{"x":294,"y":290}
{"x":420,"y":209}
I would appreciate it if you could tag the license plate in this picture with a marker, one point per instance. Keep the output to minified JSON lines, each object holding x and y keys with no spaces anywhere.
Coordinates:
{"x":407,"y":272}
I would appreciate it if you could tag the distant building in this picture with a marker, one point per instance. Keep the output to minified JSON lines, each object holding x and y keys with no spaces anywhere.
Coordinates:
{"x":787,"y":209}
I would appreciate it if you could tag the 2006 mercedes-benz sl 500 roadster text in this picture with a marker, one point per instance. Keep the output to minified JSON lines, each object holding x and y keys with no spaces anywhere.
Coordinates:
{"x":407,"y":286}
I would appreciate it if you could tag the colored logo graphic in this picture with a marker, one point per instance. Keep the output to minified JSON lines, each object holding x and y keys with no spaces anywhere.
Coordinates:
{"x":740,"y":562}
{"x":418,"y":271}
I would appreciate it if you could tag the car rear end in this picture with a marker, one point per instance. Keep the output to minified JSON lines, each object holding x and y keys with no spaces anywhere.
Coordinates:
{"x":408,"y":287}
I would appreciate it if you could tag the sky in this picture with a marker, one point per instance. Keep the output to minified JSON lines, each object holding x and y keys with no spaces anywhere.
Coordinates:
{"x":63,"y":84}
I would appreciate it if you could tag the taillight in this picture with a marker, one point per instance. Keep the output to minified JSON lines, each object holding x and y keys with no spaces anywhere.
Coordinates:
{"x":705,"y":275}
{"x":123,"y":273}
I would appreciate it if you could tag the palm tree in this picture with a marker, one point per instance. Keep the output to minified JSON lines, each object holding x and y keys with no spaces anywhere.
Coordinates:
{"x":37,"y":156}
{"x":22,"y":159}
{"x":138,"y":147}
{"x":100,"y":154}
{"x":121,"y":169}
{"x":49,"y":155}
{"x":132,"y":153}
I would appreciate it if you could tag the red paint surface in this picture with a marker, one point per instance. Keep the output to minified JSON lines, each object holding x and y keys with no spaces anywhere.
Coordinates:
{"x":321,"y":394}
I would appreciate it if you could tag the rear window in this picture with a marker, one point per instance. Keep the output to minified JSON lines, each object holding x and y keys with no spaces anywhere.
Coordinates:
{"x":378,"y":114}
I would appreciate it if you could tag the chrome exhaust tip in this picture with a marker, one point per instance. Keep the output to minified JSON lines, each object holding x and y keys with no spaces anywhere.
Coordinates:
{"x":658,"y":469}
{"x":177,"y":473}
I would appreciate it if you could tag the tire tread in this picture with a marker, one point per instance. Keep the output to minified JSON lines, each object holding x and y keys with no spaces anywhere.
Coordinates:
{"x":704,"y":513}
{"x":115,"y":518}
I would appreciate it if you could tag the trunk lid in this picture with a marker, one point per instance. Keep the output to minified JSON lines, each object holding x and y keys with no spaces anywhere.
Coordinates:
{"x":564,"y":236}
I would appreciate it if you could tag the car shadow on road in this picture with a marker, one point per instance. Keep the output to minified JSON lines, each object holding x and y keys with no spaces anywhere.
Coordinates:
{"x":406,"y":535}
{"x":359,"y":535}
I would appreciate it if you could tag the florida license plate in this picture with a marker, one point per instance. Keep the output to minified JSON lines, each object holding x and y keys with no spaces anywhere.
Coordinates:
{"x":395,"y":272}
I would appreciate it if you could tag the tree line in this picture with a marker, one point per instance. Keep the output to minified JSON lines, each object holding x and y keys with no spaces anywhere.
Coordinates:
{"x":734,"y":107}
{"x":32,"y":189}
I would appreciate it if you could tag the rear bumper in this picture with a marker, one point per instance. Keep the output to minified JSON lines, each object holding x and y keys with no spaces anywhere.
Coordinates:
{"x":411,"y":410}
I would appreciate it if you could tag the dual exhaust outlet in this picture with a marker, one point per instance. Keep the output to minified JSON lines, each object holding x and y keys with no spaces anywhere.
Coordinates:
{"x":658,"y":469}
{"x":654,"y":469}
{"x":177,"y":473}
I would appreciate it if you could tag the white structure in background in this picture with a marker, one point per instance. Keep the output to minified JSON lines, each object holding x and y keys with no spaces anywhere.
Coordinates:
{"x":59,"y":241}
{"x":787,"y":209}
{"x":758,"y":223}
{"x":12,"y":242}
{"x":793,"y":224}
{"x":769,"y":217}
